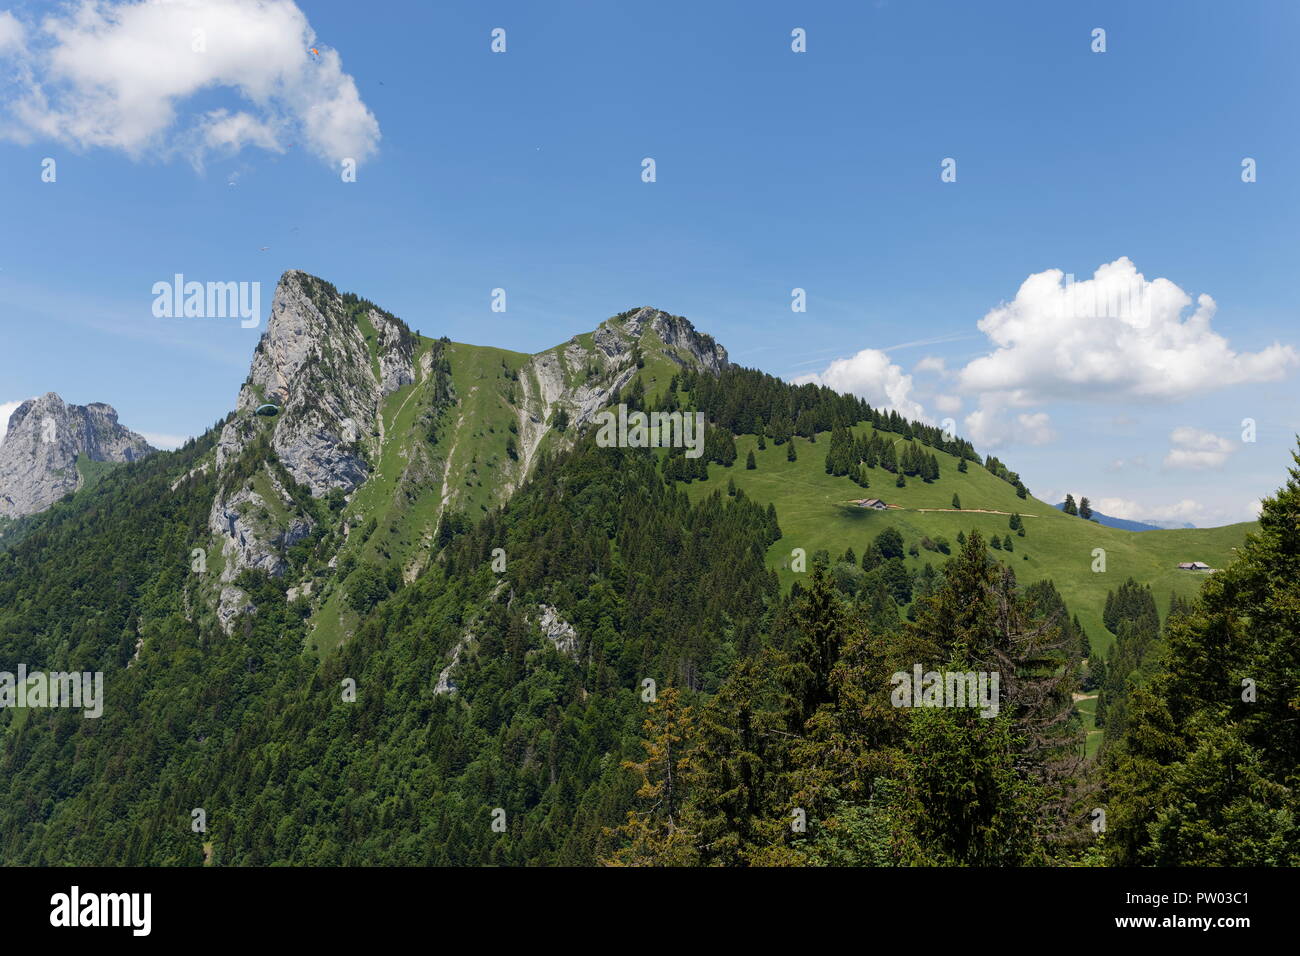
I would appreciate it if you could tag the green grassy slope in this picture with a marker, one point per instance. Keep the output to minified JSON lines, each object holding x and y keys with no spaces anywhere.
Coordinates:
{"x":91,"y":471}
{"x":815,"y":512}
{"x":394,"y":515}
{"x":483,"y":421}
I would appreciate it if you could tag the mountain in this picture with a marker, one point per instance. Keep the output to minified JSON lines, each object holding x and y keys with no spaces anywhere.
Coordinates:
{"x":423,"y":593}
{"x":1125,"y":524}
{"x":52,"y":448}
{"x":393,"y":431}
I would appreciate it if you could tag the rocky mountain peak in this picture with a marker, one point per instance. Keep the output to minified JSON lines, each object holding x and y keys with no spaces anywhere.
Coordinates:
{"x":326,"y":362}
{"x":678,"y":338}
{"x":46,"y":436}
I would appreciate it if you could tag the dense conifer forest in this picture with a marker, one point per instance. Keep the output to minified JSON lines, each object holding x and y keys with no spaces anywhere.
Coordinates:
{"x":703,"y":716}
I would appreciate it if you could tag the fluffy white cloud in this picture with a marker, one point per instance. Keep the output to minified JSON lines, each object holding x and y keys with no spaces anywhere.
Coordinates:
{"x":115,"y":74}
{"x":1197,"y":449}
{"x":7,"y":409}
{"x":163,"y":441}
{"x":948,"y":404}
{"x":989,"y":426}
{"x":1178,"y":513}
{"x":931,"y":363}
{"x":1113,"y":337}
{"x":871,"y":375}
{"x":12,"y":34}
{"x":1187,"y":510}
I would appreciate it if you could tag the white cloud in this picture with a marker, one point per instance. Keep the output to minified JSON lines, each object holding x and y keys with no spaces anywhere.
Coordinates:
{"x":1197,"y":449}
{"x":114,"y":74}
{"x":989,"y":426}
{"x":7,"y":409}
{"x":1113,"y":337}
{"x":1035,"y":428}
{"x":1186,"y":510}
{"x":871,"y":375}
{"x":1183,"y":511}
{"x":931,"y":363}
{"x":1120,"y":464}
{"x":163,"y":441}
{"x":948,"y":404}
{"x":12,"y":34}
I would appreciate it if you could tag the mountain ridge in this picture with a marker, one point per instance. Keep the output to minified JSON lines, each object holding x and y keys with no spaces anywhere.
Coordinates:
{"x":1128,"y":524}
{"x":44,"y":443}
{"x":396,"y":431}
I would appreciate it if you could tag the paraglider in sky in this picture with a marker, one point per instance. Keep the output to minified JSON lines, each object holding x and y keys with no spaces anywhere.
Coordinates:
{"x":268,"y":410}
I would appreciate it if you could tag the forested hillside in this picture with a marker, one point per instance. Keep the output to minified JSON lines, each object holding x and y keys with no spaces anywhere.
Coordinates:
{"x":624,"y":655}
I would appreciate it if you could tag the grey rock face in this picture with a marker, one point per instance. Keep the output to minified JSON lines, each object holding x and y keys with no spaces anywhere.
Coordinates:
{"x":679,"y":334}
{"x":314,"y":362}
{"x":234,"y":602}
{"x":548,"y":380}
{"x":38,"y":456}
{"x":558,"y":631}
{"x":246,"y":542}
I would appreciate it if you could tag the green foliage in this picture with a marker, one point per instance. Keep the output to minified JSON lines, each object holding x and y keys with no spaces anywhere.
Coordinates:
{"x":1206,"y":774}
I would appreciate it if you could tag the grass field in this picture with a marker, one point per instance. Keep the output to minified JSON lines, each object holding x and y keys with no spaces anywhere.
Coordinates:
{"x":815,"y":511}
{"x":1087,"y":709}
{"x":91,"y":471}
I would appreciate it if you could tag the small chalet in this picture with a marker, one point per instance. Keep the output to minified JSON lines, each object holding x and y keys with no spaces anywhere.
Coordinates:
{"x":1193,"y":566}
{"x":875,"y":503}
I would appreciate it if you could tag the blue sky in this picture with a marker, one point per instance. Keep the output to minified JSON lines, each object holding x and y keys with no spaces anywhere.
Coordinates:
{"x":775,"y":170}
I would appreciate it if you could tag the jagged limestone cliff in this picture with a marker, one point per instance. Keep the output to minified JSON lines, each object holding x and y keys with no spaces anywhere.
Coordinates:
{"x":40,"y":451}
{"x":392,"y":433}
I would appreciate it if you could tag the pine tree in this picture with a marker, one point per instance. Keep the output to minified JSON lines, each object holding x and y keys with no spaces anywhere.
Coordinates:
{"x":654,"y":835}
{"x":1070,"y":507}
{"x":956,"y":502}
{"x":1085,"y":509}
{"x":750,"y":463}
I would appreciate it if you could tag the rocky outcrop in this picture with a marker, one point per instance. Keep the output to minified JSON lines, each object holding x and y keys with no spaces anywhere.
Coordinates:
{"x":558,"y":631}
{"x":446,"y":682}
{"x":684,"y":344}
{"x":46,"y":435}
{"x":584,"y":380}
{"x":327,"y":362}
{"x":315,"y":363}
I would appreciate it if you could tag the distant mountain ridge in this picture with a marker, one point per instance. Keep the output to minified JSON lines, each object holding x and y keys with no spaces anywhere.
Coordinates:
{"x":1126,"y":524}
{"x":41,"y":448}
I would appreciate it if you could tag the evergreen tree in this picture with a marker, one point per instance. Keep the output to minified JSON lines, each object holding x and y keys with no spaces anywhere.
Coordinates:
{"x":889,"y":543}
{"x":1205,"y":772}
